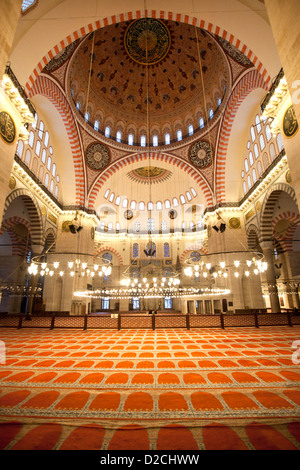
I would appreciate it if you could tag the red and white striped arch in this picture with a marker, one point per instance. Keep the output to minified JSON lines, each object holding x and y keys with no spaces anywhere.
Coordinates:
{"x":48,"y":88}
{"x":190,"y":249}
{"x":18,"y":245}
{"x":250,"y":81}
{"x":183,"y":18}
{"x":112,"y":250}
{"x":287,"y":239}
{"x":158,"y":156}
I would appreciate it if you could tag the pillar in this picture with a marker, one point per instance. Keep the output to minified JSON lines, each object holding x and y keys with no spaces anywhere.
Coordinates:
{"x":267,"y":247}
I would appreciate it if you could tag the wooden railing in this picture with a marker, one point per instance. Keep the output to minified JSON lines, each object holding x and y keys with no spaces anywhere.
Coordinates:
{"x":143,"y":321}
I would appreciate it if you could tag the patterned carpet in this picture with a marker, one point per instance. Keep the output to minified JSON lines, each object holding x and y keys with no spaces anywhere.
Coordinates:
{"x":150,"y":390}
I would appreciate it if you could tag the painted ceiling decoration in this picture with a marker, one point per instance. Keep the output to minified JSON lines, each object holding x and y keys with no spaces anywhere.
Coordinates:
{"x":61,"y":57}
{"x":147,"y":41}
{"x":97,"y":156}
{"x":149,"y":174}
{"x":201,"y":154}
{"x":121,"y":92}
{"x":234,"y":52}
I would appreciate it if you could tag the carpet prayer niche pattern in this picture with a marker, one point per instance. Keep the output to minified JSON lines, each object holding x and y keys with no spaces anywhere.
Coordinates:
{"x":150,"y":390}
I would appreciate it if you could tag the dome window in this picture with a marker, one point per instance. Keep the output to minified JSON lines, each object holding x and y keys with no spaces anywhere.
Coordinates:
{"x":167,"y":139}
{"x":107,"y":131}
{"x":119,"y":136}
{"x":155,"y":141}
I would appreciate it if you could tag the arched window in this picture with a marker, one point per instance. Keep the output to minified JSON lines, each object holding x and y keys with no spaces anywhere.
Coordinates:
{"x":188,"y":195}
{"x":87,"y":116}
{"x":210,"y":114}
{"x":258,"y":124}
{"x":166,"y":250}
{"x":27,"y":4}
{"x":248,"y":144}
{"x":262,"y":142}
{"x":249,"y":182}
{"x":111,"y":197}
{"x":159,"y":206}
{"x":38,"y":148}
{"x":268,"y":133}
{"x":107,"y":131}
{"x":246,"y":165}
{"x":167,"y":204}
{"x":133,"y":205}
{"x":150,"y":206}
{"x":141,"y":206}
{"x":56,"y":191}
{"x":41,"y":173}
{"x":251,"y":158}
{"x":252,"y":133}
{"x":179,"y":134}
{"x":219,"y":102}
{"x":117,"y":201}
{"x":164,"y":225}
{"x":272,"y":151}
{"x":280,"y":142}
{"x":110,"y":226}
{"x":167,"y":139}
{"x":182,"y":199}
{"x":256,"y":151}
{"x":20,"y":147}
{"x":143,"y":141}
{"x":125,"y":202}
{"x":259,"y":168}
{"x":254,"y":175}
{"x":27,"y":157}
{"x":155,"y":141}
{"x":130,"y":139}
{"x":96,"y":125}
{"x":41,"y":129}
{"x":191,"y":130}
{"x":49,"y":163}
{"x":119,"y":136}
{"x":244,"y":187}
{"x":175,"y":202}
{"x":78,"y":105}
{"x":135,"y":250}
{"x":46,"y":140}
{"x":53,"y":169}
{"x":193,"y":192}
{"x":150,"y":224}
{"x":51,"y":186}
{"x":242,"y":174}
{"x":34,"y":166}
{"x":201,"y":123}
{"x":46,"y":180}
{"x":106,"y":194}
{"x":31,"y":139}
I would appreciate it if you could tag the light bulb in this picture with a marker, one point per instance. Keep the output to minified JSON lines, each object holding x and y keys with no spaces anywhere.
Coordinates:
{"x":56,"y":264}
{"x":236,"y":274}
{"x":84,"y":265}
{"x":44,"y":265}
{"x":61,"y":273}
{"x":70,"y":264}
{"x":222,"y":264}
{"x":236,"y":264}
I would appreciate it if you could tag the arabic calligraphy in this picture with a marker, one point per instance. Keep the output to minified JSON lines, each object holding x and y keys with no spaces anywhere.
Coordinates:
{"x":7,"y":127}
{"x":290,"y":123}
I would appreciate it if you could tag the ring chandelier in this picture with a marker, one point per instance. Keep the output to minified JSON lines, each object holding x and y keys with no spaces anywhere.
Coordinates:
{"x":72,"y":268}
{"x":205,"y":267}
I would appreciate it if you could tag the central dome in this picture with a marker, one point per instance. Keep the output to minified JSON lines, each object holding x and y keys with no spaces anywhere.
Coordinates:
{"x":148,"y":74}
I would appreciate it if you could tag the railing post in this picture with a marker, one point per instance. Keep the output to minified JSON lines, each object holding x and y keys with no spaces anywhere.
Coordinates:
{"x":256,"y":320}
{"x":85,"y":322}
{"x":289,"y":318}
{"x":153,"y":322}
{"x":187,"y":321}
{"x":20,"y":322}
{"x":222,"y":321}
{"x":119,"y":321}
{"x":52,"y":321}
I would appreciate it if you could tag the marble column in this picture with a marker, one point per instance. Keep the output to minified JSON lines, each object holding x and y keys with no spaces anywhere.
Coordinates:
{"x":267,"y":247}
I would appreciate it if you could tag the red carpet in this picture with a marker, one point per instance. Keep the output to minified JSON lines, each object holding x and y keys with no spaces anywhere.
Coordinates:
{"x":150,"y":390}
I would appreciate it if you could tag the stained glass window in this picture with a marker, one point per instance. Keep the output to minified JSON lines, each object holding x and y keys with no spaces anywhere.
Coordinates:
{"x":166,"y":250}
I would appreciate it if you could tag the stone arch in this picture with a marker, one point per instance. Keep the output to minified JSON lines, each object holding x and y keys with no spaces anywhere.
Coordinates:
{"x":32,"y":206}
{"x":19,"y":245}
{"x":250,"y":81}
{"x":131,"y":15}
{"x":286,"y":240}
{"x":252,"y":233}
{"x":182,"y":164}
{"x":112,"y":250}
{"x":46,"y":87}
{"x":271,"y":197}
{"x":50,"y":238}
{"x":193,"y":248}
